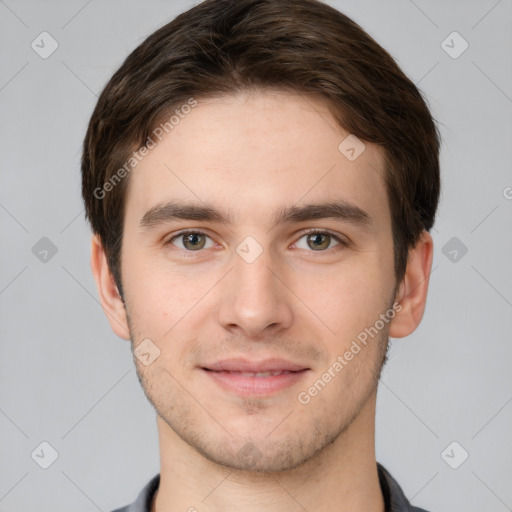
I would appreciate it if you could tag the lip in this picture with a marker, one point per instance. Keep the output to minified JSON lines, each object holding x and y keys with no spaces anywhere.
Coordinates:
{"x":245,"y":365}
{"x":230,"y":375}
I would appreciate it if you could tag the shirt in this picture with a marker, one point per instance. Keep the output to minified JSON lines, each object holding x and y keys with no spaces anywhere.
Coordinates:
{"x":394,"y":497}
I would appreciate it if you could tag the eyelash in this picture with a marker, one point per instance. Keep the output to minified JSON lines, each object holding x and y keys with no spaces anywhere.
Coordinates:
{"x":342,"y":243}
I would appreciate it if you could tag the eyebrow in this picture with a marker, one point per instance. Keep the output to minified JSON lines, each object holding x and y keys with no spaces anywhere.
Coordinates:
{"x":163,"y":213}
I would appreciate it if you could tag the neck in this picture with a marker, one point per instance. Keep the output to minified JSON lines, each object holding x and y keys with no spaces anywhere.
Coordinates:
{"x":343,"y":476}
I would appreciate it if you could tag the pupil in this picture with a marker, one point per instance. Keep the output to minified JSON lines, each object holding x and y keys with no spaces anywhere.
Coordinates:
{"x":193,"y":240}
{"x":319,"y":239}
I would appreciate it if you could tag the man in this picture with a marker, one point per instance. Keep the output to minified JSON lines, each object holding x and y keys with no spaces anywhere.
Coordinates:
{"x":261,"y":179}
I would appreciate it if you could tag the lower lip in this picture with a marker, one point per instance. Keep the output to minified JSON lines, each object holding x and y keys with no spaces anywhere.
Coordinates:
{"x":249,"y":386}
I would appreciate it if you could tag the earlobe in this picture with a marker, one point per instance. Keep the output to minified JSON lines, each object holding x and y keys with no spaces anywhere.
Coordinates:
{"x":110,"y":299}
{"x":412,"y":293}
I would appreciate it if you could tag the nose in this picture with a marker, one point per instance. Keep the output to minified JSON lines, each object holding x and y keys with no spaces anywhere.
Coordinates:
{"x":254,"y":298}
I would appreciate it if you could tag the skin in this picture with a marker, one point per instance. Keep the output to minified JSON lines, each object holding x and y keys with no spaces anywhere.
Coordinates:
{"x":253,"y":154}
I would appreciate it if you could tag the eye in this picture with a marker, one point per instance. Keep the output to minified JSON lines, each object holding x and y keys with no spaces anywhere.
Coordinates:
{"x":191,"y":240}
{"x":319,"y":241}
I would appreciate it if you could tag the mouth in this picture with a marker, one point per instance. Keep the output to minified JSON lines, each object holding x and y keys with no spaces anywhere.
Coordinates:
{"x":248,"y":378}
{"x":254,"y":374}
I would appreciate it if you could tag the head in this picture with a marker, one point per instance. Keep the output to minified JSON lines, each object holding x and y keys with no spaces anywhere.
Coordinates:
{"x":249,"y":124}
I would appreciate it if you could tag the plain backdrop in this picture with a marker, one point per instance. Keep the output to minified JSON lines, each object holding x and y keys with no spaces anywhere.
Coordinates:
{"x":67,"y":380}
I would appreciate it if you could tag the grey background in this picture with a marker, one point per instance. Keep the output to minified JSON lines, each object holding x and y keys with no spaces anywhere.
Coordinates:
{"x":68,"y":380}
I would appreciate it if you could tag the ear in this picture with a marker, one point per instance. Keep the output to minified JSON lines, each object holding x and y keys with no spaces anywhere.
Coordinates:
{"x":110,"y":298}
{"x":412,"y":292}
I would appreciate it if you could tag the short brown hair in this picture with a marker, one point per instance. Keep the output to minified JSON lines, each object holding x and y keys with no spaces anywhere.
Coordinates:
{"x":222,"y":47}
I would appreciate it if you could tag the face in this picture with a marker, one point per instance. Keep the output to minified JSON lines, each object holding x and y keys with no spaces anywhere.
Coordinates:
{"x":282,"y":257}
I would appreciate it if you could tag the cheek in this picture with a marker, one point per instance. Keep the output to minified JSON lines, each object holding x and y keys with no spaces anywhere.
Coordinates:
{"x":163,"y":297}
{"x":348,"y":298}
{"x":148,"y":292}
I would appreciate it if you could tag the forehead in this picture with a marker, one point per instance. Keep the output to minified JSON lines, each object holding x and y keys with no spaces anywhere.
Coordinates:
{"x":254,"y":153}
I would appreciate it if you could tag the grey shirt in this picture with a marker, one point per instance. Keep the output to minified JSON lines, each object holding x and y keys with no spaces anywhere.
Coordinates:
{"x":394,"y":497}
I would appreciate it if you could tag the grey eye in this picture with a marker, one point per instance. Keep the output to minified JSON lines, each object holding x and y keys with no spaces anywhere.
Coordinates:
{"x":191,"y":241}
{"x":317,"y":241}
